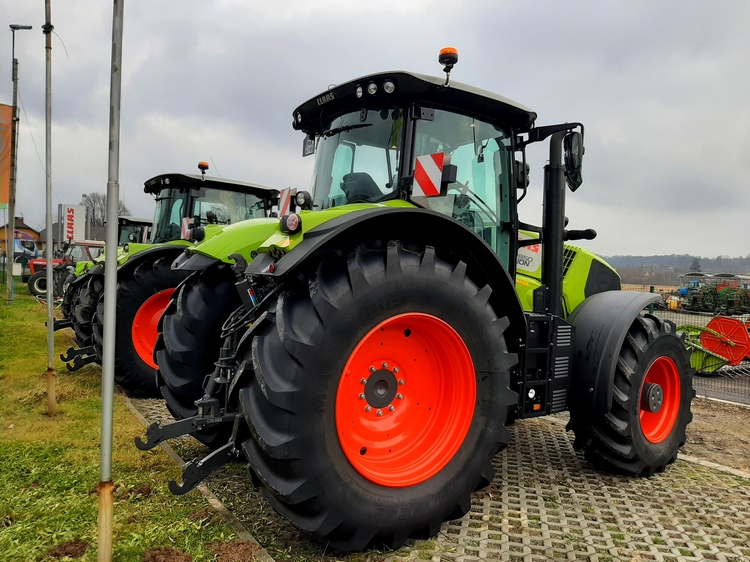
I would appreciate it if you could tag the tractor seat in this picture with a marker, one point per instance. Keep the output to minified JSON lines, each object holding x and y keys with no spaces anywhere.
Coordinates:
{"x":360,"y":187}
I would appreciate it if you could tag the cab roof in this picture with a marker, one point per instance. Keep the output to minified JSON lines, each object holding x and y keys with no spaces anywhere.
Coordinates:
{"x":313,"y":115}
{"x":126,"y":220}
{"x":190,"y":181}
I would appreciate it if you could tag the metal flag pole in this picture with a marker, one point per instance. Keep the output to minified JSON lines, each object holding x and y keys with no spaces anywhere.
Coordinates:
{"x":51,"y":400}
{"x":106,"y":487}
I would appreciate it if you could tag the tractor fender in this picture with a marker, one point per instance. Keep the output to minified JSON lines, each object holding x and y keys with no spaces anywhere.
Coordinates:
{"x":152,"y":254}
{"x":601,"y":323}
{"x":98,"y":269}
{"x":451,"y":239}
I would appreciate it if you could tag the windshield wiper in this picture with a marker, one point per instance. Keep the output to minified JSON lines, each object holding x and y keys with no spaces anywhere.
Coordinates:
{"x":337,"y":130}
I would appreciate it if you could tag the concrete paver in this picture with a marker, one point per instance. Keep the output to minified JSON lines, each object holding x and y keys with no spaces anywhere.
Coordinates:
{"x":547,"y":503}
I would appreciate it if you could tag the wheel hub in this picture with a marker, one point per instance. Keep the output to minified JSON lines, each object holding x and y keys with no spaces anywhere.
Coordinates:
{"x":652,"y":397}
{"x":381,"y":388}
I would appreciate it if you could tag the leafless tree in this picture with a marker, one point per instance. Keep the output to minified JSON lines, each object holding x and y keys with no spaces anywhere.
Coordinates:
{"x":97,"y":204}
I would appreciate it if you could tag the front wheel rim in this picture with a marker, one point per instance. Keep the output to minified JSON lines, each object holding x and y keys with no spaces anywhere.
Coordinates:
{"x":405,"y":400}
{"x":145,"y":324}
{"x":657,"y":426}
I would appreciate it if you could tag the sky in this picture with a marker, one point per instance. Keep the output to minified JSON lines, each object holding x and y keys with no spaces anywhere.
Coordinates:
{"x":663,"y":89}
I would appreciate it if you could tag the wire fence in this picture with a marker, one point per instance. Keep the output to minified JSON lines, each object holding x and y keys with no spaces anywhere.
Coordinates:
{"x":715,"y":377}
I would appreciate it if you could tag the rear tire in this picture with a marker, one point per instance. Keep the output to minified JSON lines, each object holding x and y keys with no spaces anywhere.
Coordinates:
{"x":142,"y":295}
{"x":38,"y":284}
{"x":189,"y":342}
{"x":650,"y":409}
{"x":70,"y":292}
{"x":428,"y":343}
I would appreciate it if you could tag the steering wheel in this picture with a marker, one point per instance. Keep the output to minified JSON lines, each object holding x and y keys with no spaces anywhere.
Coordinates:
{"x":482,"y":207}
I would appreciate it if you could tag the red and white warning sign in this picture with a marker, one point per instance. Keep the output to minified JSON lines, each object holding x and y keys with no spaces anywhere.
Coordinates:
{"x":428,"y":174}
{"x":285,"y":200}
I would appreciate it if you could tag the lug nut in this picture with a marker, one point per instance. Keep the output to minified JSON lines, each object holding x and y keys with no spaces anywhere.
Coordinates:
{"x":395,"y":370}
{"x":368,"y":408}
{"x":361,"y":396}
{"x":363,"y":380}
{"x":379,"y":412}
{"x":400,"y":396}
{"x":385,"y":365}
{"x":401,"y":381}
{"x":372,"y":369}
{"x":391,"y":407}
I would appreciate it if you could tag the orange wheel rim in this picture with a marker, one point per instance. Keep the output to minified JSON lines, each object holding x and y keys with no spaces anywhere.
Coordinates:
{"x":660,"y":399}
{"x":405,"y":400}
{"x":145,"y":325}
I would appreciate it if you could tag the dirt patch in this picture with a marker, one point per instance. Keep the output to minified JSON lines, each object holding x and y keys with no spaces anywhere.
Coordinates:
{"x":233,"y":551}
{"x":70,"y":549}
{"x":203,"y":515}
{"x":139,"y":491}
{"x":165,"y":554}
{"x":719,"y":433}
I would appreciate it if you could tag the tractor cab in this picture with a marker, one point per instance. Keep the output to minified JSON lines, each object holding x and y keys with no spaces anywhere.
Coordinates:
{"x":407,"y":136}
{"x":187,"y":202}
{"x":133,"y":229}
{"x":454,"y":149}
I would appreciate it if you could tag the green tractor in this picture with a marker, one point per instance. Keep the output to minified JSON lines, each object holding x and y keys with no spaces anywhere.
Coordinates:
{"x":401,"y":316}
{"x":189,"y":208}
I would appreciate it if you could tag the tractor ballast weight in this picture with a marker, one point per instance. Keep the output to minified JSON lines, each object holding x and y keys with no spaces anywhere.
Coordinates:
{"x":381,"y":345}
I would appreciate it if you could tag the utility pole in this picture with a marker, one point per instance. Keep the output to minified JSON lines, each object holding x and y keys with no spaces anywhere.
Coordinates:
{"x":51,"y":394}
{"x":10,"y":230}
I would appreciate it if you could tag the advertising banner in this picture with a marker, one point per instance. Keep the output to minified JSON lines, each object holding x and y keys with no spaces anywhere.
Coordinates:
{"x":72,"y":221}
{"x":6,"y":126}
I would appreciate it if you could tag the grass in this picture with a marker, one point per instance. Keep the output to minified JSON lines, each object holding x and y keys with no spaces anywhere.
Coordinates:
{"x":50,"y":465}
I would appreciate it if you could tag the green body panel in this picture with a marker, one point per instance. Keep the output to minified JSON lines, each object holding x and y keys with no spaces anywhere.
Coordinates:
{"x":242,"y":237}
{"x":576,"y":266}
{"x":263,"y":234}
{"x":312,"y":219}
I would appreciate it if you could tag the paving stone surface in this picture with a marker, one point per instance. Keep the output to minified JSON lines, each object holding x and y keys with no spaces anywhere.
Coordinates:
{"x":547,"y":503}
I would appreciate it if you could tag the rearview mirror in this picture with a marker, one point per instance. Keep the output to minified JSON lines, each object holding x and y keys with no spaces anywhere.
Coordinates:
{"x":573,"y":149}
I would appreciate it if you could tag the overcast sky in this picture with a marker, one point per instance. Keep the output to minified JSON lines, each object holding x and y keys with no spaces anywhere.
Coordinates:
{"x":663,"y":89}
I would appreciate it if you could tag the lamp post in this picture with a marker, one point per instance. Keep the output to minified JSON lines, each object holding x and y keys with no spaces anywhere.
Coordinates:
{"x":10,"y":231}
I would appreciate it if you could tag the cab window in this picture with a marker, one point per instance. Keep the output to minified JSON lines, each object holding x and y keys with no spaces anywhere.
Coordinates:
{"x":481,"y":153}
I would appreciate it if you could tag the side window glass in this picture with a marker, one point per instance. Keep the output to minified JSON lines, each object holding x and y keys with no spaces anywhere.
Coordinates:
{"x":343,"y":163}
{"x":176,"y":215}
{"x":479,"y":151}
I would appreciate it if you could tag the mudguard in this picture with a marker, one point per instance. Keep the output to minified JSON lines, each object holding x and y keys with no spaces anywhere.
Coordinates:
{"x":601,"y":323}
{"x":152,"y":254}
{"x":449,"y":237}
{"x":97,"y":269}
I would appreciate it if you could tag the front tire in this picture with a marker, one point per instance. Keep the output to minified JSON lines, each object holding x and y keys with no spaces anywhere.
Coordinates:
{"x":84,"y":307}
{"x":189,"y":342}
{"x":142,"y":295}
{"x":650,"y":409}
{"x":381,"y":387}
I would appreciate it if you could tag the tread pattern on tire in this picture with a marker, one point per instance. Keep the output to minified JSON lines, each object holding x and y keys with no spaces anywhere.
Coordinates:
{"x":189,"y":342}
{"x":84,"y":307}
{"x":292,"y":450}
